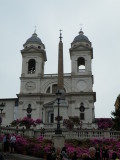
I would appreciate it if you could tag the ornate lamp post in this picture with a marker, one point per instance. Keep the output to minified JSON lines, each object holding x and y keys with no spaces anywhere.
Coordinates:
{"x":58,"y":130}
{"x":2,"y":105}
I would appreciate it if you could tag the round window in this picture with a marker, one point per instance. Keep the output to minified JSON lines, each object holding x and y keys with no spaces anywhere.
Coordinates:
{"x":29,"y":110}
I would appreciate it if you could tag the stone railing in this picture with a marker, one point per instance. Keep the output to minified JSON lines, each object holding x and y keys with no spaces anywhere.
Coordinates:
{"x":75,"y":134}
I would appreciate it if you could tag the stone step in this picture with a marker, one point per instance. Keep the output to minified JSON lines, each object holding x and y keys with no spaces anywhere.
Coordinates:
{"x":20,"y":157}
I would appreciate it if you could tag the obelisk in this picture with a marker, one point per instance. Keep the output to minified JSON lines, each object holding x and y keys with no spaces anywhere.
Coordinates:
{"x":60,"y":64}
{"x":60,"y":68}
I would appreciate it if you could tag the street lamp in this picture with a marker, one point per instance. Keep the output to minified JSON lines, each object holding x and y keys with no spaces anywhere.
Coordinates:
{"x":58,"y":130}
{"x":2,"y":105}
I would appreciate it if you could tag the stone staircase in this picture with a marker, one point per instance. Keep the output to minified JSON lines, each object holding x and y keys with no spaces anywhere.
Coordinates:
{"x":20,"y":157}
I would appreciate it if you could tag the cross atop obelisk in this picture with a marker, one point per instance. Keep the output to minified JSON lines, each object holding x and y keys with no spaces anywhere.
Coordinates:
{"x":60,"y":35}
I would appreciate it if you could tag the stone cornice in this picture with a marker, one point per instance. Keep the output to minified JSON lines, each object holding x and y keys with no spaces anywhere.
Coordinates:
{"x":26,"y":51}
{"x":75,"y":50}
{"x":30,"y":78}
{"x":54,"y":95}
{"x":80,"y":76}
{"x":82,"y":94}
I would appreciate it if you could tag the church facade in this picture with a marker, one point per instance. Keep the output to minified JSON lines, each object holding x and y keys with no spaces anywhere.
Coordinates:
{"x":37,"y":96}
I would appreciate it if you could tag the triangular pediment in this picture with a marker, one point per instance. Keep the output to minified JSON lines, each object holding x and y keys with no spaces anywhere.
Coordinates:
{"x":31,"y":49}
{"x":49,"y":104}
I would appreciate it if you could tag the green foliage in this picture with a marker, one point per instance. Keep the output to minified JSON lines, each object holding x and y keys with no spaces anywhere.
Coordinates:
{"x":14,"y":123}
{"x":116,"y":119}
{"x":69,"y":123}
{"x":75,"y":120}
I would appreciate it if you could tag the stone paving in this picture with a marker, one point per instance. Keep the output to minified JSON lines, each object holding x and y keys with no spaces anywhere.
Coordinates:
{"x":20,"y":157}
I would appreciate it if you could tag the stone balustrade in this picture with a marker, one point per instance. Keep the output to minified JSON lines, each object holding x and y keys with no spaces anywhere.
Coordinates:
{"x":75,"y":134}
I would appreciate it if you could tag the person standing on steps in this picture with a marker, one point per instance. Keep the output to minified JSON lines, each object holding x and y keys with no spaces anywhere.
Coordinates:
{"x":4,"y":144}
{"x":7,"y":143}
{"x":97,"y":154}
{"x":12,"y":143}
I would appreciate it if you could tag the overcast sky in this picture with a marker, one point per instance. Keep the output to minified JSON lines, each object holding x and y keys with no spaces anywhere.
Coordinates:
{"x":101,"y":24}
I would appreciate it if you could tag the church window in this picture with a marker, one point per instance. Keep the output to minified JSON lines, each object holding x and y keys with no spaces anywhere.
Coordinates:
{"x":16,"y":103}
{"x":82,"y":117}
{"x":81,"y":64}
{"x":54,"y":88}
{"x":31,"y":66}
{"x":48,"y":90}
{"x":82,"y":109}
{"x":52,"y":118}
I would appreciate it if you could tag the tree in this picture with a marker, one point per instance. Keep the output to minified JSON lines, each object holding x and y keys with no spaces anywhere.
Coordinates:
{"x":116,"y":119}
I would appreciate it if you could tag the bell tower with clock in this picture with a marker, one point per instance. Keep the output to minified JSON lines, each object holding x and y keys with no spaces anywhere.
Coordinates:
{"x":81,"y":54}
{"x":33,"y":59}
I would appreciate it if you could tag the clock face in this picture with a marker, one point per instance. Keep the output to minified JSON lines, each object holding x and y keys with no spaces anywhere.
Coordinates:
{"x":81,"y":85}
{"x":30,"y":85}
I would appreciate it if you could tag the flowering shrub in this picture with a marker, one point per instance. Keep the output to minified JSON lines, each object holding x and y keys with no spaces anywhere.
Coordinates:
{"x":38,"y":121}
{"x":39,"y":147}
{"x":82,"y":146}
{"x":21,"y":144}
{"x":26,"y":121}
{"x":104,"y":123}
{"x":40,"y":139}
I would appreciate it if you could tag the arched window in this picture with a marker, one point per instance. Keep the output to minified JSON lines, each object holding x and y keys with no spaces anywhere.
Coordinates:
{"x":31,"y":66}
{"x":81,"y":64}
{"x":48,"y":90}
{"x":54,"y":88}
{"x":82,"y":109}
